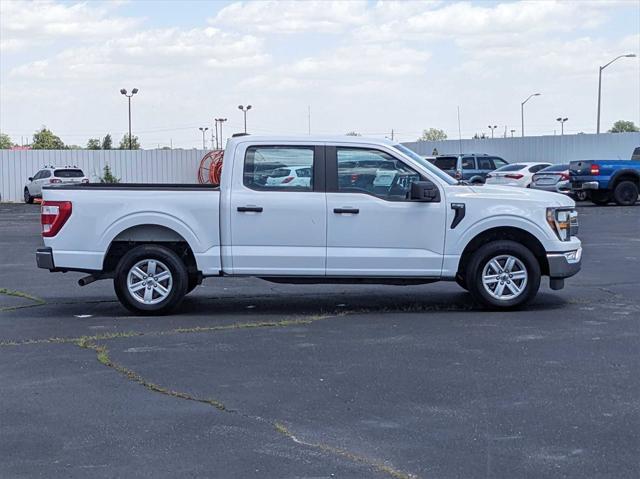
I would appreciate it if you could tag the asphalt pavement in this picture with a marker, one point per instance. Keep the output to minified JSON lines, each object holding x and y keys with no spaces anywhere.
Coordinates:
{"x":252,"y":379}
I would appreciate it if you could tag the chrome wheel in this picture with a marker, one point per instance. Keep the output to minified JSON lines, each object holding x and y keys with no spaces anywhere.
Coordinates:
{"x":504,"y":277}
{"x":149,"y":281}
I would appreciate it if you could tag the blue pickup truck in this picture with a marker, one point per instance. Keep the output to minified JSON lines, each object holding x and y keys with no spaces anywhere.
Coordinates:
{"x":608,"y":180}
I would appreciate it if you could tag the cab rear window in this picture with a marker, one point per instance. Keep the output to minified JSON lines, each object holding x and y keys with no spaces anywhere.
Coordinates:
{"x":68,"y":173}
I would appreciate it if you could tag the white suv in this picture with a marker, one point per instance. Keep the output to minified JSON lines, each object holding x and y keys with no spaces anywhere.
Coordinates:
{"x":68,"y":175}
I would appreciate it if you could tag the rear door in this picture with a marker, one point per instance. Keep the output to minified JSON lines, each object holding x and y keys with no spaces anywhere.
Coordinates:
{"x":372,"y":228}
{"x":278,"y":227}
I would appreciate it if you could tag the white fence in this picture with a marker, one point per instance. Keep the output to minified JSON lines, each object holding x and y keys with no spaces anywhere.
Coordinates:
{"x":135,"y":166}
{"x":181,"y":166}
{"x":554,"y":149}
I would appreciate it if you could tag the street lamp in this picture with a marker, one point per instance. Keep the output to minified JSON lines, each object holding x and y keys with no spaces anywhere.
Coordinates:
{"x":133,"y":92}
{"x":561,"y":120}
{"x":244,"y":110}
{"x":221,"y":121}
{"x":630,"y":55}
{"x":492,"y":128}
{"x":203,"y":130}
{"x":522,"y":109}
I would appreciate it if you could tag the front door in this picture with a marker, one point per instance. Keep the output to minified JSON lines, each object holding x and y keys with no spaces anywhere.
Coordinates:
{"x":278,"y":211}
{"x":372,"y":227}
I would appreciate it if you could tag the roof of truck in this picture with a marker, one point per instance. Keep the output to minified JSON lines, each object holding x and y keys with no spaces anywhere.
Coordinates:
{"x":311,"y":139}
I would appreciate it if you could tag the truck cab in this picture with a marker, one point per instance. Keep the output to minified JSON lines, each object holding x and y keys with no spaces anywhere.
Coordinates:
{"x":368,"y":210}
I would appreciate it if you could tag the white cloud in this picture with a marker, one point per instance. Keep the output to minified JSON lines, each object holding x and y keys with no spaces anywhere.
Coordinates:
{"x":24,"y":24}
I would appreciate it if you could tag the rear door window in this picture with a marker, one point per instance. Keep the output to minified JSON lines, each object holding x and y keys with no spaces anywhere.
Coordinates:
{"x":468,"y":163}
{"x":279,"y":168}
{"x":485,"y":164}
{"x":45,"y":174}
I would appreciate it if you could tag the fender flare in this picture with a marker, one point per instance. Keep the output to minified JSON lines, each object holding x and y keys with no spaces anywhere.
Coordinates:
{"x":149,"y":218}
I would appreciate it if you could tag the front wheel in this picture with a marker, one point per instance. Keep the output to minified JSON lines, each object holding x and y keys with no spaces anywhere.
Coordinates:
{"x":503,"y":275}
{"x":151,"y":279}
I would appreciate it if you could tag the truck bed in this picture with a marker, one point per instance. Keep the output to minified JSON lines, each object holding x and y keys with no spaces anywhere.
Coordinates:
{"x":106,"y":213}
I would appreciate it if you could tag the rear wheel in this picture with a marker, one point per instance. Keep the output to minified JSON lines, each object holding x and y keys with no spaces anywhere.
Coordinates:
{"x":151,"y":279}
{"x":503,"y":275}
{"x":625,"y":193}
{"x":600,"y":198}
{"x":27,"y":196}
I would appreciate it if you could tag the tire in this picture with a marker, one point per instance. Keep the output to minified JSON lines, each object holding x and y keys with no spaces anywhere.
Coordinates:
{"x":27,"y":197}
{"x":461,"y":281}
{"x":580,"y":195}
{"x":160,"y":297}
{"x":625,"y":193}
{"x":600,"y":198}
{"x":525,"y":275}
{"x":194,"y":281}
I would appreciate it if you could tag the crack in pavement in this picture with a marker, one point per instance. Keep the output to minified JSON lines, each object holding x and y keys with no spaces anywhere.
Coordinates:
{"x":102,"y":355}
{"x":20,"y":294}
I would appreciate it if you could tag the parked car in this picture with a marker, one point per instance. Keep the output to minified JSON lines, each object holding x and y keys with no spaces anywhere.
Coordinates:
{"x":299,"y":176}
{"x":470,"y":167}
{"x":635,"y":156}
{"x":51,"y":175}
{"x":607,"y":180}
{"x":415,"y":225}
{"x":516,"y":174}
{"x":556,"y":178}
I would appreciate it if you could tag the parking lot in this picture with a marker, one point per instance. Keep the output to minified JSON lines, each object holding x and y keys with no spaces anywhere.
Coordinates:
{"x":252,"y":379}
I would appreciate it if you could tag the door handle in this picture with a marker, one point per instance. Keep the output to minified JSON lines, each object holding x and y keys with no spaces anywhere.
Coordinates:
{"x":340,"y":211}
{"x":253,"y":209}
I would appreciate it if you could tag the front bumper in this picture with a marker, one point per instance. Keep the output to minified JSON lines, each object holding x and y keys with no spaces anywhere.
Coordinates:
{"x":44,"y":258}
{"x":564,"y":265}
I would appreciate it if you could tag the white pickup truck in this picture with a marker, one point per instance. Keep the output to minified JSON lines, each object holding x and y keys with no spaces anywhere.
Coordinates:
{"x":312,"y":210}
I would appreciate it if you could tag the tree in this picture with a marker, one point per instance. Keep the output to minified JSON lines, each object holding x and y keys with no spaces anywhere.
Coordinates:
{"x":93,"y":144}
{"x":353,"y":133}
{"x":5,"y":141}
{"x":433,"y":134}
{"x":107,"y":142}
{"x":107,"y":176}
{"x":44,"y":139}
{"x":622,"y":126}
{"x":124,"y":143}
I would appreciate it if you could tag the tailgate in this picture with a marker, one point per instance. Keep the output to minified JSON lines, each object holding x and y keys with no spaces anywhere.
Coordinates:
{"x":580,"y":168}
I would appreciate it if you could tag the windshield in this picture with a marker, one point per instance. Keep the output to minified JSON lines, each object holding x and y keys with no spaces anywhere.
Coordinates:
{"x":425,"y":164}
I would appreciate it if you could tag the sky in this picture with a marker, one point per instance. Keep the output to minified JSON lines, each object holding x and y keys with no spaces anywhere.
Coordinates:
{"x":364,"y":66}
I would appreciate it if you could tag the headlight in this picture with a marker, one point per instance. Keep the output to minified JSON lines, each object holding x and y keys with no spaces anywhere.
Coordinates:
{"x":563,"y":221}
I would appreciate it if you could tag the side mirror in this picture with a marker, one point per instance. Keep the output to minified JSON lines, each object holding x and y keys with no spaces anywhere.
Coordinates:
{"x":424,"y":191}
{"x":31,"y":178}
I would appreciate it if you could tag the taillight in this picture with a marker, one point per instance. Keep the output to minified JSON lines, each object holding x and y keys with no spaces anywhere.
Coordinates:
{"x":53,"y":216}
{"x":595,"y":170}
{"x":514,"y":176}
{"x":55,"y":180}
{"x":288,"y":179}
{"x":564,"y":176}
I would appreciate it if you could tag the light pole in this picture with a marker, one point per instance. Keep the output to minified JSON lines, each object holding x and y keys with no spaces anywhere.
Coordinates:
{"x":522,"y":109}
{"x":133,"y":92}
{"x":244,"y":110}
{"x":203,"y":130}
{"x":221,"y":121}
{"x":561,"y":120}
{"x":492,"y":128}
{"x":630,"y":55}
